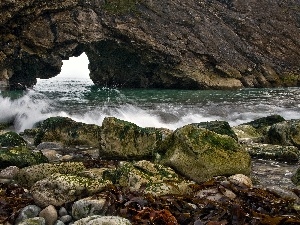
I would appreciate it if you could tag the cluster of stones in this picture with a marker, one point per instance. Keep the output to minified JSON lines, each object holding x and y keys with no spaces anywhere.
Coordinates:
{"x":46,"y":162}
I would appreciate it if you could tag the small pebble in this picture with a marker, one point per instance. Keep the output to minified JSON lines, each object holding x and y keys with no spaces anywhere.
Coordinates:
{"x":59,"y":222}
{"x":62,"y":211}
{"x":66,"y":218}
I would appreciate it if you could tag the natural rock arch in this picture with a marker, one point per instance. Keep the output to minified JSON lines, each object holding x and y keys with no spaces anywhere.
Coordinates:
{"x":136,"y":43}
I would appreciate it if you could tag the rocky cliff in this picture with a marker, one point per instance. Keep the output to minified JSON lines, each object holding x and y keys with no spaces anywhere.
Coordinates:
{"x":155,"y":43}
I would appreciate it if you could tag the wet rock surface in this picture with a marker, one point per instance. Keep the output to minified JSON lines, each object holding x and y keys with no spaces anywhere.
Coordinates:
{"x":161,"y":44}
{"x":91,"y":190}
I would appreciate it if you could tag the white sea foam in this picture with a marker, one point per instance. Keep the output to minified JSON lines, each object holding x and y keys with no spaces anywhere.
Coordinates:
{"x":36,"y":105}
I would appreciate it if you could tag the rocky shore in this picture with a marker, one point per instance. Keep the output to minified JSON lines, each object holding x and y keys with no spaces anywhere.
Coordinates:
{"x":66,"y":172}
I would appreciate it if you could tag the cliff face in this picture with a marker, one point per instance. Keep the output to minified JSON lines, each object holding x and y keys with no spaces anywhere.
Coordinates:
{"x":154,"y":43}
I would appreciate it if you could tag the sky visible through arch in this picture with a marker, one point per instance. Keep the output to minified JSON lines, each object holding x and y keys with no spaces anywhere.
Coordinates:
{"x":75,"y":67}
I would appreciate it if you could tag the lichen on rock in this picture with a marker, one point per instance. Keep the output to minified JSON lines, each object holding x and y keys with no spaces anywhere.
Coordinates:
{"x":200,"y":154}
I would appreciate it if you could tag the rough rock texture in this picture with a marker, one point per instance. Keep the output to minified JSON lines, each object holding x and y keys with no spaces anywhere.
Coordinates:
{"x":200,"y":154}
{"x":124,"y":140}
{"x":169,"y":44}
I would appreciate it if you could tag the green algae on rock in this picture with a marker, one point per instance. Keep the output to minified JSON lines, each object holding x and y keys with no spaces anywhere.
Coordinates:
{"x":11,"y":139}
{"x":29,"y":175}
{"x":59,"y":189}
{"x":288,"y":154}
{"x":20,"y":157}
{"x":200,"y":154}
{"x":124,"y":140}
{"x":151,"y":178}
{"x":285,"y":133}
{"x":68,"y":132}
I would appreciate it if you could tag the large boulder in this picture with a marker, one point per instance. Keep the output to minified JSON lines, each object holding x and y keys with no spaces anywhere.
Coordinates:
{"x":290,"y":154}
{"x":68,"y":132}
{"x":59,"y":189}
{"x":256,"y":130}
{"x":285,"y":133}
{"x":149,"y":177}
{"x":219,"y":127}
{"x":124,"y":140}
{"x":200,"y":154}
{"x":29,"y":175}
{"x":21,"y":157}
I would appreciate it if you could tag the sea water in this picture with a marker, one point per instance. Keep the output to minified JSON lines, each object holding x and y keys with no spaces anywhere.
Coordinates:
{"x":81,"y":100}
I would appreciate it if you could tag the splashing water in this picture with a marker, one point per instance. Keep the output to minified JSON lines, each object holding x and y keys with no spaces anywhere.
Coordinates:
{"x":80,"y":100}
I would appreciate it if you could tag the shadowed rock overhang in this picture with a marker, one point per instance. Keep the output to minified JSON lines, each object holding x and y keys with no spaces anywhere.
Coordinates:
{"x":217,"y":44}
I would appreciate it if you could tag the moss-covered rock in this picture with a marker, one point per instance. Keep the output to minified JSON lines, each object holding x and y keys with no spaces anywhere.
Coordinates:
{"x":4,"y":126}
{"x":288,"y":154}
{"x":62,"y":188}
{"x":149,"y":177}
{"x":219,"y":127}
{"x":200,"y":154}
{"x":11,"y":139}
{"x":20,"y":157}
{"x":68,"y":132}
{"x":266,"y":121}
{"x":248,"y":134}
{"x":29,"y":175}
{"x":296,"y":177}
{"x":285,"y":133}
{"x":124,"y":140}
{"x":256,"y":130}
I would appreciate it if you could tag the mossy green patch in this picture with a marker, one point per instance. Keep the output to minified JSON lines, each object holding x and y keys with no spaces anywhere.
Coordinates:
{"x":200,"y":154}
{"x":68,"y":132}
{"x":11,"y":139}
{"x":20,"y":157}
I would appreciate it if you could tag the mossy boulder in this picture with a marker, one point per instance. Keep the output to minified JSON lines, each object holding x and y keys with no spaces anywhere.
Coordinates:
{"x":248,"y":134}
{"x":149,"y":177}
{"x":201,"y":154}
{"x":289,"y":154}
{"x":11,"y":139}
{"x":219,"y":127}
{"x":256,"y":130}
{"x":124,"y":140}
{"x":4,"y":126}
{"x":263,"y":122}
{"x":29,"y":175}
{"x":59,"y":189}
{"x":296,"y":177}
{"x":285,"y":133}
{"x":20,"y":157}
{"x":68,"y":132}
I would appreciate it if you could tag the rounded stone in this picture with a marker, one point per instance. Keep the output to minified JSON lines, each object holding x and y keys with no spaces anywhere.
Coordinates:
{"x":66,"y":218}
{"x":27,"y":212}
{"x":62,"y":211}
{"x":9,"y":172}
{"x":49,"y":214}
{"x":241,"y":180}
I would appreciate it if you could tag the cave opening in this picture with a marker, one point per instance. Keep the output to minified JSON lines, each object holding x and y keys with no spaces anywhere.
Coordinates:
{"x":75,"y":67}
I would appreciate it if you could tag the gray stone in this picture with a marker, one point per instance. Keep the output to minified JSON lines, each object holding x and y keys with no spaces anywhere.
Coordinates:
{"x":59,"y":222}
{"x":49,"y":145}
{"x":88,"y":207}
{"x":27,"y":212}
{"x":62,"y":211}
{"x":9,"y":172}
{"x":66,"y":218}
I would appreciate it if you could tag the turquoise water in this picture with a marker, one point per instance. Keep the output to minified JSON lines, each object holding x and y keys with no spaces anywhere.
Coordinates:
{"x":85,"y":102}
